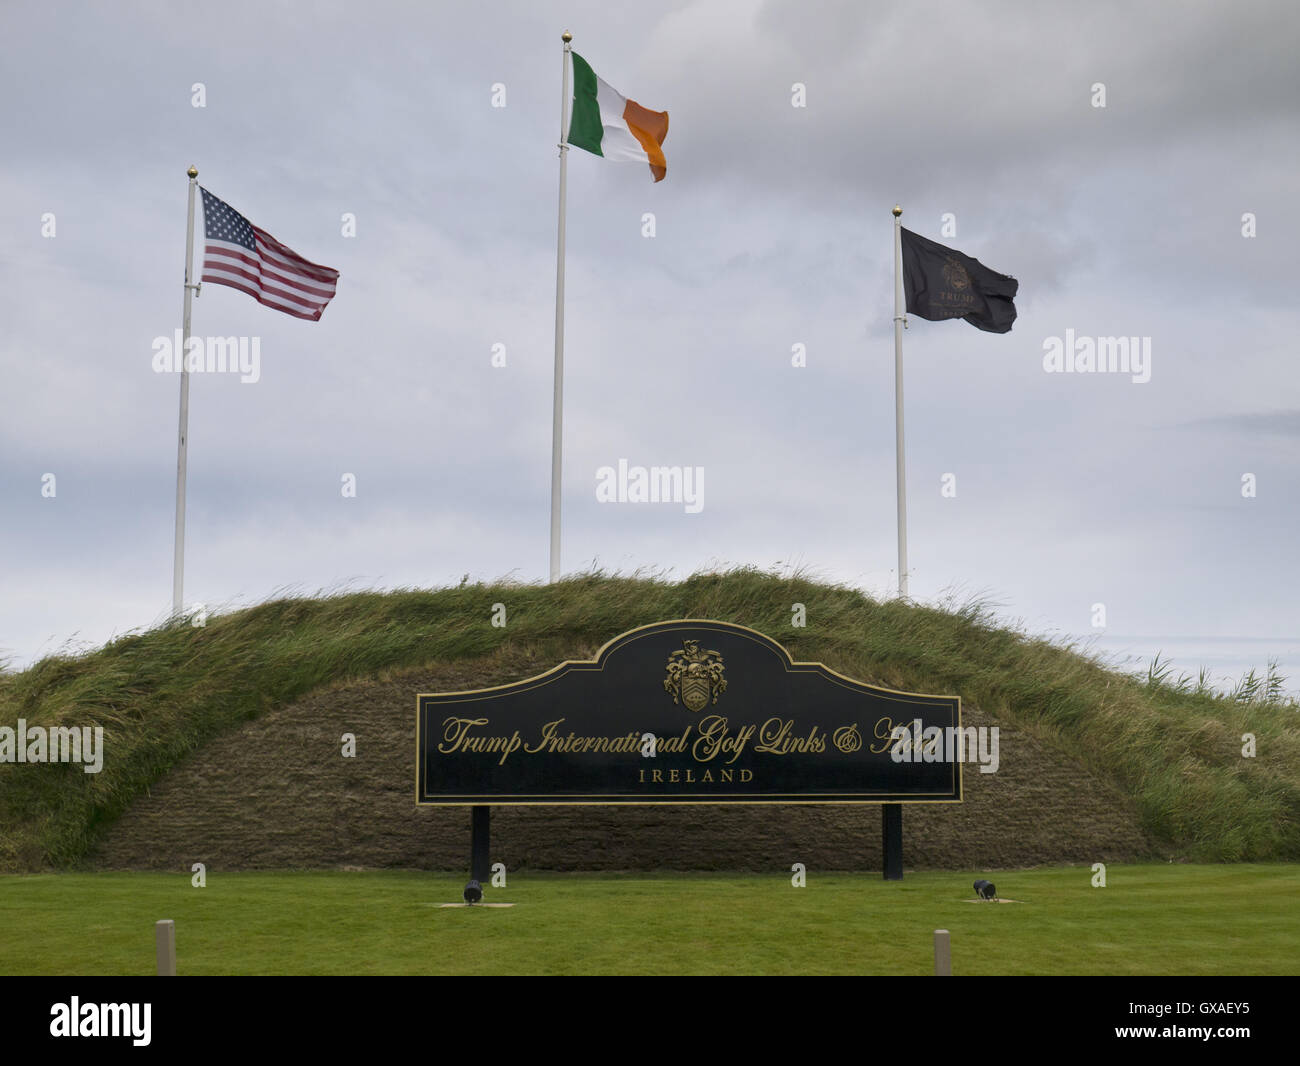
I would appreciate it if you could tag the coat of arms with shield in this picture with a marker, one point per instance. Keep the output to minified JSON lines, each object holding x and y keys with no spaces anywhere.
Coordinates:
{"x":695,"y":677}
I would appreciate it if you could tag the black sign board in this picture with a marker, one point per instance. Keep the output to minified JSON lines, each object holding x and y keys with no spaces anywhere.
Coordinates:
{"x":684,"y":712}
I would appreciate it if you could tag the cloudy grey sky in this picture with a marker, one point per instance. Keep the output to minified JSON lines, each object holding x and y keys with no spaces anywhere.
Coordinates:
{"x":772,"y":229}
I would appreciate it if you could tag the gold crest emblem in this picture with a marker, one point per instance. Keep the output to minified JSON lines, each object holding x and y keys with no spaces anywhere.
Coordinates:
{"x":955,"y":275}
{"x":695,"y":677}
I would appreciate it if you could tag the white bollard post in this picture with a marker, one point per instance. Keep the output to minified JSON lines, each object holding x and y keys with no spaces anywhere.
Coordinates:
{"x":942,"y":954}
{"x":165,"y":942}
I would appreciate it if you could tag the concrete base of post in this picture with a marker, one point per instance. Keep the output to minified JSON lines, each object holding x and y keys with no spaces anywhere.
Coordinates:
{"x":942,"y":954}
{"x":165,"y":945}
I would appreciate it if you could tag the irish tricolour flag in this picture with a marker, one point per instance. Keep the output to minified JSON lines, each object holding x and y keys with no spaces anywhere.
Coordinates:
{"x":610,"y":125}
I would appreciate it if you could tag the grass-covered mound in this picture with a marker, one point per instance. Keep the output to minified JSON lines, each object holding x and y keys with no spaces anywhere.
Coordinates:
{"x":162,"y":694}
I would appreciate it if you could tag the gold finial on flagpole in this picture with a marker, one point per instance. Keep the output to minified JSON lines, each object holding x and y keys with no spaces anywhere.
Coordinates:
{"x":897,"y":210}
{"x":193,"y":172}
{"x":566,"y":36}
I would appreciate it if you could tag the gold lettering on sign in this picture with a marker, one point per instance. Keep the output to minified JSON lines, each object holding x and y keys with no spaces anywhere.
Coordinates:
{"x":551,"y":741}
{"x":455,"y":737}
{"x":717,"y":739}
{"x":847,"y":738}
{"x":675,"y":745}
{"x":776,"y":736}
{"x":884,"y":733}
{"x":687,"y":777}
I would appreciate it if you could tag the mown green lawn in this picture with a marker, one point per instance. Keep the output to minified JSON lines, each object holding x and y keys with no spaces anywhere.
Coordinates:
{"x":1148,"y":920}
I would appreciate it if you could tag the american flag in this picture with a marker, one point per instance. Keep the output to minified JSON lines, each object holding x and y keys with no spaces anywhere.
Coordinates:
{"x":249,"y":259}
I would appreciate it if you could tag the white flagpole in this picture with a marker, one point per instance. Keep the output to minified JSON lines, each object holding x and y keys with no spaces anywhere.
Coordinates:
{"x":182,"y":435}
{"x":557,"y":415}
{"x":899,"y":312}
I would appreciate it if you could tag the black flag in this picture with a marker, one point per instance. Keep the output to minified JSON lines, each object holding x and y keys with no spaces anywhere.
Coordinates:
{"x":943,"y":283}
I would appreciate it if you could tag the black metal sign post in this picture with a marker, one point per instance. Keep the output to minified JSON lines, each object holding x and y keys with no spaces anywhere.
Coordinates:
{"x":480,"y":843}
{"x":891,"y":844}
{"x":687,"y":712}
